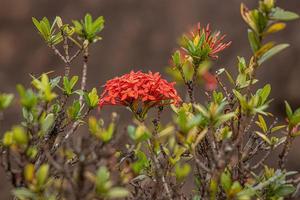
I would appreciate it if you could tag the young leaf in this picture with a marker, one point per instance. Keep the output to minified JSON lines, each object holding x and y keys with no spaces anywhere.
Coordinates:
{"x":74,"y":110}
{"x":47,"y":123}
{"x":264,"y":93}
{"x":8,"y":138}
{"x":273,"y":51}
{"x":107,"y":135}
{"x":69,"y":84}
{"x":264,"y":137}
{"x":262,"y":124}
{"x":102,"y":180}
{"x":226,"y":181}
{"x":283,"y":15}
{"x":285,"y":190}
{"x":20,"y":136}
{"x":181,"y":171}
{"x":42,"y":175}
{"x":266,"y":47}
{"x":288,"y":110}
{"x":92,"y":98}
{"x":253,"y":40}
{"x":117,"y":192}
{"x":24,"y":193}
{"x":5,"y":100}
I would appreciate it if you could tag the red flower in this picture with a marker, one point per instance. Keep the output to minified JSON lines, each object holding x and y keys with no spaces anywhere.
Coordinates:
{"x":213,"y":40}
{"x":139,"y":89}
{"x":210,"y":81}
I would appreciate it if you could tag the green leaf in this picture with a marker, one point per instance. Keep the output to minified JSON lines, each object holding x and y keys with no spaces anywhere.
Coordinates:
{"x":262,"y":124}
{"x":276,"y":128}
{"x":283,"y":15}
{"x":98,"y":25}
{"x":20,"y":137}
{"x":55,"y":81}
{"x":37,"y":24}
{"x":213,"y":189}
{"x":5,"y":100}
{"x":288,"y":110}
{"x":295,"y":119}
{"x":285,"y":190}
{"x":235,"y":188}
{"x":197,"y":197}
{"x":92,"y":98}
{"x":264,"y":137}
{"x":253,"y":40}
{"x":44,"y":86}
{"x":88,"y":29}
{"x":8,"y":138}
{"x":139,"y":134}
{"x":241,"y":99}
{"x":57,"y":21}
{"x":23,"y":194}
{"x":88,"y":22}
{"x":131,"y":131}
{"x":117,"y":192}
{"x":78,"y":26}
{"x":69,"y":84}
{"x":176,"y":58}
{"x":141,"y":163}
{"x":74,"y":110}
{"x":42,"y":175}
{"x":47,"y":123}
{"x":28,"y":98}
{"x":73,"y":81}
{"x":107,"y":135}
{"x":225,"y":117}
{"x":93,"y":125}
{"x":102,"y":180}
{"x":266,"y":47}
{"x":264,"y":93}
{"x":182,"y":171}
{"x":273,"y":51}
{"x":31,"y":152}
{"x":226,"y":181}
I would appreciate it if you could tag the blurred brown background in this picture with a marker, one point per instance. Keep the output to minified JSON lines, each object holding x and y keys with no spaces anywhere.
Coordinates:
{"x":139,"y":34}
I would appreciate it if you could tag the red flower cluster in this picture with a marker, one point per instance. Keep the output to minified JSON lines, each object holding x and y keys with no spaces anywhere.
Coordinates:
{"x":148,"y":88}
{"x":213,"y":40}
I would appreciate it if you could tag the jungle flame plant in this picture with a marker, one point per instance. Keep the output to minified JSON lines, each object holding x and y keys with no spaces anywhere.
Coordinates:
{"x":136,"y":88}
{"x":225,"y":140}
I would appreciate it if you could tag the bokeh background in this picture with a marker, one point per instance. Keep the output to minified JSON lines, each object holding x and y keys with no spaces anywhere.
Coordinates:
{"x":139,"y":34}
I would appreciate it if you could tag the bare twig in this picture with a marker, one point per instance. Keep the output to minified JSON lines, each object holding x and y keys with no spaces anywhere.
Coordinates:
{"x":57,"y":52}
{"x":286,"y":148}
{"x":67,"y":57}
{"x":84,"y":72}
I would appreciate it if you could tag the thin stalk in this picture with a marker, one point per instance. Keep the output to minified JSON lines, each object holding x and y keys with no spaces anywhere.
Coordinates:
{"x":286,"y":149}
{"x":67,"y":56}
{"x":84,"y":72}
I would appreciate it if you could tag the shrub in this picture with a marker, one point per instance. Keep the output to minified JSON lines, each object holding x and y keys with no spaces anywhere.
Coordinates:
{"x":220,"y":145}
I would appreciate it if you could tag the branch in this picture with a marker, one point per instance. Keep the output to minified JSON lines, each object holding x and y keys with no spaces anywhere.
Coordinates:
{"x":57,"y":52}
{"x":286,"y":148}
{"x":84,"y":72}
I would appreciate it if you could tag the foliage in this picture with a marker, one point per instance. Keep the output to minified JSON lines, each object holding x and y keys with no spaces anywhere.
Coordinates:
{"x":221,"y":144}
